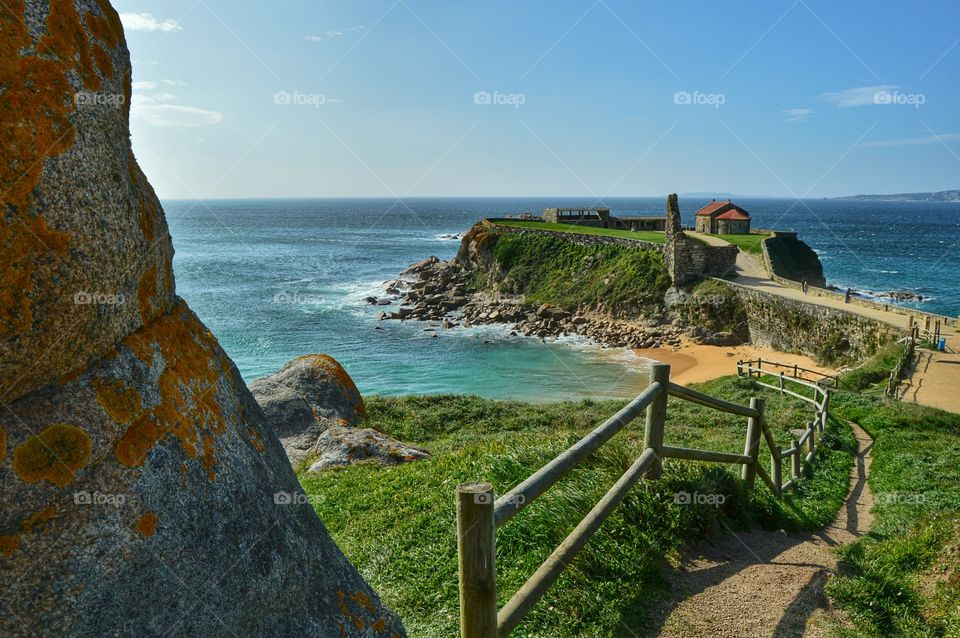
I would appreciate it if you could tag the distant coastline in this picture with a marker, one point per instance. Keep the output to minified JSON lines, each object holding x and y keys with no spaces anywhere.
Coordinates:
{"x":938,"y":196}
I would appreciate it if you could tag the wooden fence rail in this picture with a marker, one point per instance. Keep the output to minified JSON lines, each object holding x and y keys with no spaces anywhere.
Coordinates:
{"x":480,"y":514}
{"x":793,"y":371}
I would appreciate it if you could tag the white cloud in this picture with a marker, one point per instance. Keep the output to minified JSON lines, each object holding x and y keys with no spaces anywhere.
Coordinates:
{"x":146,"y":22}
{"x":941,"y":138}
{"x":859,"y":96}
{"x":336,"y":33}
{"x":797,"y":115}
{"x":144,"y":86}
{"x":150,"y":110}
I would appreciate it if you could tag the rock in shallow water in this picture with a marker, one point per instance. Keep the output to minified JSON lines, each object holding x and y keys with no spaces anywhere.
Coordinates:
{"x":141,"y":489}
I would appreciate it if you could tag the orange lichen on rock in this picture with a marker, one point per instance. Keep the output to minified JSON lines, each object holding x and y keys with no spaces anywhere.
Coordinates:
{"x":22,"y":250}
{"x":8,"y":545}
{"x":37,"y":518}
{"x":67,"y":39}
{"x":146,"y":290}
{"x":107,"y":27}
{"x":146,"y":219}
{"x":255,"y":441}
{"x":188,"y":408}
{"x":147,"y":525}
{"x":56,"y":454}
{"x":348,"y":388}
{"x":122,"y":403}
{"x":104,"y":63}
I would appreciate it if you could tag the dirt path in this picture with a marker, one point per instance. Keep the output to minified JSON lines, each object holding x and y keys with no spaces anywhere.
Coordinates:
{"x":766,"y":583}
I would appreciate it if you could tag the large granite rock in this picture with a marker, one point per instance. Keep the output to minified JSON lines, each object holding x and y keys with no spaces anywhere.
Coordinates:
{"x":304,"y":398}
{"x":141,"y":490}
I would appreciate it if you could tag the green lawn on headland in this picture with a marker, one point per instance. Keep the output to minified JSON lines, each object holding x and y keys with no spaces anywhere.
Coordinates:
{"x":641,"y":235}
{"x":748,"y":243}
{"x":397,"y":524}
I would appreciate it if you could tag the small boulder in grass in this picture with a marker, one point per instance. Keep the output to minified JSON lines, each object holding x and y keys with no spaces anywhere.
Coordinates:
{"x":340,"y":446}
{"x":305,"y":397}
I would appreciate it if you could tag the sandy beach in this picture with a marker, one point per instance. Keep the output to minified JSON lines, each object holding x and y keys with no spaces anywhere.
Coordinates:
{"x":695,"y":363}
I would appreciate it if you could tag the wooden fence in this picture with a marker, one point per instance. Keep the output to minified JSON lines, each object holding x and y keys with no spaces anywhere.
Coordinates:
{"x":480,"y":514}
{"x":893,"y":382}
{"x":794,"y":371}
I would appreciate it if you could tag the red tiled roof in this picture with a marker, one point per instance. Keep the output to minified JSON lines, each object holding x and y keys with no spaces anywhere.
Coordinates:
{"x":736,"y":214}
{"x":712,"y":208}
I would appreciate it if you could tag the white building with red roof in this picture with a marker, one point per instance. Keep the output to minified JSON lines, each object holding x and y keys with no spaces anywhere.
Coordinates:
{"x":723,"y":218}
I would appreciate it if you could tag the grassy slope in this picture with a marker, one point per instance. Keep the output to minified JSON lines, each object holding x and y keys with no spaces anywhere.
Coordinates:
{"x":550,"y":269}
{"x":397,"y":524}
{"x":749,"y":243}
{"x":641,"y":235}
{"x":904,"y":576}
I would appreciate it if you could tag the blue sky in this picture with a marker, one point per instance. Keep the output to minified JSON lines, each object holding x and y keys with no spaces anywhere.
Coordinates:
{"x":390,"y":98}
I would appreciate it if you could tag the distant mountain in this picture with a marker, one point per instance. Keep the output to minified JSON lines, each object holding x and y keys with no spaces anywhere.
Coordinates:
{"x":940,"y":196}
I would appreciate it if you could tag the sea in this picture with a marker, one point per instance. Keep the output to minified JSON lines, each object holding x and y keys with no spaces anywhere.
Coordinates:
{"x":275,"y":279}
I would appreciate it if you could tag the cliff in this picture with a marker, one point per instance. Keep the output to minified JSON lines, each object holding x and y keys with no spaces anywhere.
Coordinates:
{"x":792,"y":258}
{"x":618,"y":277}
{"x":141,"y":490}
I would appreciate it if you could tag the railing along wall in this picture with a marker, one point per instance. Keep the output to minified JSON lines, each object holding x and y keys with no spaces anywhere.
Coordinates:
{"x":480,"y":513}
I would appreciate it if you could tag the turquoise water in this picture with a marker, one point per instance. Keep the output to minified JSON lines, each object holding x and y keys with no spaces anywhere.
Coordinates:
{"x":280,"y":278}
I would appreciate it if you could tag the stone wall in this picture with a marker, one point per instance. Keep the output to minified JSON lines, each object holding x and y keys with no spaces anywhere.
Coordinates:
{"x":694,"y":259}
{"x":829,"y":335}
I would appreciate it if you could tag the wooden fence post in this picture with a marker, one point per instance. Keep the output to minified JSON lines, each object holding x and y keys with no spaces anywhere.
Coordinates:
{"x":781,"y":383}
{"x":752,"y":446}
{"x":476,"y":550}
{"x":656,"y":416}
{"x":826,"y":410}
{"x":795,"y":466}
{"x":776,"y":474}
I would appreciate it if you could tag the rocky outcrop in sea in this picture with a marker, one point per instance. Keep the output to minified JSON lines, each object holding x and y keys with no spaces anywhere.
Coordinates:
{"x":142,"y":491}
{"x":441,"y":291}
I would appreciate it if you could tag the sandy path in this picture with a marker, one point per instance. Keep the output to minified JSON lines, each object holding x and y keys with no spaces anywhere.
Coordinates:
{"x":696,"y":363}
{"x":763,"y":583}
{"x":935,"y":377}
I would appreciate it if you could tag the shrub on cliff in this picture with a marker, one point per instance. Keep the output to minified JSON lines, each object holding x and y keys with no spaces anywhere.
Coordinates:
{"x":557,"y":271}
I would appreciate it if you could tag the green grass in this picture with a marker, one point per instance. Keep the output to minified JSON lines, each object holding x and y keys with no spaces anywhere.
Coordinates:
{"x":640,"y":235}
{"x":875,"y":369}
{"x":903,"y":578}
{"x":547,"y":268}
{"x":397,"y":524}
{"x":748,"y":243}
